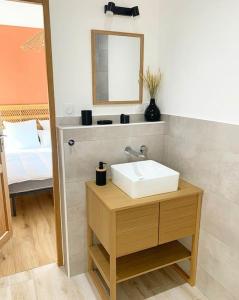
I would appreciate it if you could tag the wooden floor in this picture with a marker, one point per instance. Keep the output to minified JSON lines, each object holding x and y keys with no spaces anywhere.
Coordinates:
{"x":50,"y":283}
{"x":33,"y":241}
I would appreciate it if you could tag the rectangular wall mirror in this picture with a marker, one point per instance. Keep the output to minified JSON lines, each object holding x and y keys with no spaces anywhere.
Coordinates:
{"x":117,"y":62}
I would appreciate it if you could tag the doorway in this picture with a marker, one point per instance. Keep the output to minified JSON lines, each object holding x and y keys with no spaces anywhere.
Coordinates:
{"x":33,"y":236}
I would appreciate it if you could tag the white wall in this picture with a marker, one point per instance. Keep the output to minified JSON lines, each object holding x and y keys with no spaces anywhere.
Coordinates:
{"x":21,"y":14}
{"x":199,"y":57}
{"x":71,"y":24}
{"x":196,"y":44}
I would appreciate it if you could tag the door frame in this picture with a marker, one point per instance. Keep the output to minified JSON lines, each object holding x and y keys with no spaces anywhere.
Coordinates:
{"x":6,"y":200}
{"x":49,"y":66}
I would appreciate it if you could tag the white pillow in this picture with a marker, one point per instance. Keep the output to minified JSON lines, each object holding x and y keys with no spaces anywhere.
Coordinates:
{"x":45,"y":138}
{"x":8,"y":143}
{"x":21,"y":135}
{"x":45,"y":124}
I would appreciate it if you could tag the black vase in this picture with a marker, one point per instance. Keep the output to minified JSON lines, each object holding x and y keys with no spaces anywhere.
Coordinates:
{"x":152,"y":112}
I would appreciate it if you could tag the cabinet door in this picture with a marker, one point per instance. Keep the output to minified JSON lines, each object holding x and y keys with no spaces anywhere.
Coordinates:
{"x":137,"y":229}
{"x":177,"y":218}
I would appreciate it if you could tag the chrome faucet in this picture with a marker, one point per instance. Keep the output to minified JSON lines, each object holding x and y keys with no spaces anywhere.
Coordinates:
{"x":142,"y":153}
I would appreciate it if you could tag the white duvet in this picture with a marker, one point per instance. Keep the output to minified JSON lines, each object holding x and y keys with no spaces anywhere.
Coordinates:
{"x":28,"y":164}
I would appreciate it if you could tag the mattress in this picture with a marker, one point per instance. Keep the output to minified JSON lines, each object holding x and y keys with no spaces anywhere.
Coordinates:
{"x":29,"y":165}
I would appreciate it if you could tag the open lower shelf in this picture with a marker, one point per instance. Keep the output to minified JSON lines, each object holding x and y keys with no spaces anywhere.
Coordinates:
{"x":139,"y":263}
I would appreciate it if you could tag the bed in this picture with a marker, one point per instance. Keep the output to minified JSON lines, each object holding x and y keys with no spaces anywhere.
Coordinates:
{"x":28,"y":164}
{"x":29,"y":169}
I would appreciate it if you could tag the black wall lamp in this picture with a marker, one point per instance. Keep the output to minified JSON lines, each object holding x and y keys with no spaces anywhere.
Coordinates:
{"x":111,"y":8}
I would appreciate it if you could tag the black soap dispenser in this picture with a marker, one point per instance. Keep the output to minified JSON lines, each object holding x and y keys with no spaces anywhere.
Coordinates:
{"x":101,"y":174}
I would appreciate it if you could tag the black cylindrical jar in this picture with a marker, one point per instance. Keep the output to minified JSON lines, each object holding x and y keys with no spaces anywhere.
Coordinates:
{"x":86,"y":117}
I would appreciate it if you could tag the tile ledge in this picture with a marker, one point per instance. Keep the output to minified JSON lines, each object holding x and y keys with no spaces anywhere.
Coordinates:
{"x":70,"y":127}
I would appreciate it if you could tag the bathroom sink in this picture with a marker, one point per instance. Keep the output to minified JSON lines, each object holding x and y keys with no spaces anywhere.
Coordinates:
{"x":144,"y":178}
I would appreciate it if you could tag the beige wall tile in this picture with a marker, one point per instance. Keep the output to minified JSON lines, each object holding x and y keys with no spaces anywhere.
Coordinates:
{"x":78,"y":263}
{"x":80,"y":161}
{"x":220,"y":261}
{"x":111,"y":132}
{"x":207,"y":154}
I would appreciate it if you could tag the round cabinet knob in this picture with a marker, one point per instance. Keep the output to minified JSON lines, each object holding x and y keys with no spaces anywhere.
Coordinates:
{"x":71,"y":142}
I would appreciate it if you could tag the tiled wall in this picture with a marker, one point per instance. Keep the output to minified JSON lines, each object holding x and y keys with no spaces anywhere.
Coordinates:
{"x":92,"y":145}
{"x":207,"y":154}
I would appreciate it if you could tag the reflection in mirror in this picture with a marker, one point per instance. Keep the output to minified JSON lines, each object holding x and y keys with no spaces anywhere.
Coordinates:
{"x":117,"y":61}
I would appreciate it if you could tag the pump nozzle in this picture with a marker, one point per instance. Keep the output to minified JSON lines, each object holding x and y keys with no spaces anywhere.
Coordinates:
{"x":101,"y":165}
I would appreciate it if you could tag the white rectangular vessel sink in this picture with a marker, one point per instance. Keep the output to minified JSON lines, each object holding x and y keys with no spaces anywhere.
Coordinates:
{"x":144,"y":178}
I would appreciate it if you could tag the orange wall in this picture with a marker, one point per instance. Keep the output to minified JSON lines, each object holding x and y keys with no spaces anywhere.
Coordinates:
{"x":22,"y":73}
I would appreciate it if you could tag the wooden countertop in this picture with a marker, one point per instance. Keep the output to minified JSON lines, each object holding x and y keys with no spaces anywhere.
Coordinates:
{"x":115,"y":199}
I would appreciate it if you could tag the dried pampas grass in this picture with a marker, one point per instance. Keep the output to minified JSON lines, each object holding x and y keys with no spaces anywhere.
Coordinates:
{"x":152,"y":82}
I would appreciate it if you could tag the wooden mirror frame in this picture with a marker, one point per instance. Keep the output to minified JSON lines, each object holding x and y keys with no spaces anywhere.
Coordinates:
{"x":93,"y":54}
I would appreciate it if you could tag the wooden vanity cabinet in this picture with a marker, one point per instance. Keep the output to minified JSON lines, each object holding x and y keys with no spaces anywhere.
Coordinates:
{"x":137,"y":236}
{"x":177,"y":218}
{"x":136,"y":229}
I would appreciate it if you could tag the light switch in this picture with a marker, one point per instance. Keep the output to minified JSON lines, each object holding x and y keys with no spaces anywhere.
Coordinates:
{"x":69,"y":109}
